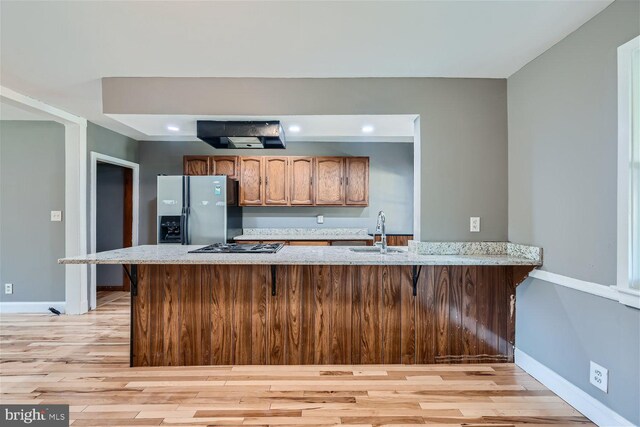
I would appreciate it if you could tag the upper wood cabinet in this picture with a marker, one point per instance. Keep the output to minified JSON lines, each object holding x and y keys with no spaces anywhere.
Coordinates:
{"x":329,"y":182}
{"x":196,"y":165}
{"x":357,"y":181}
{"x":301,"y":180}
{"x":290,"y":180}
{"x":225,"y":165}
{"x":276,"y":190}
{"x":251,"y":184}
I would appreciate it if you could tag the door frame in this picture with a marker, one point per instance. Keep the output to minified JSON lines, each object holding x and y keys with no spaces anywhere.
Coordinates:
{"x":135,"y":168}
{"x":75,"y":192}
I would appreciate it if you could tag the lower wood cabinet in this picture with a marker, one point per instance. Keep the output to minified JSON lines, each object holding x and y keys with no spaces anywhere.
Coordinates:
{"x":352,"y":243}
{"x":312,"y":242}
{"x":309,"y":243}
{"x":396,"y":239}
{"x":322,"y":314}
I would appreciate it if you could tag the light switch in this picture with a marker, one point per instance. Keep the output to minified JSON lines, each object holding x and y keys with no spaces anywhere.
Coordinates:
{"x":56,"y":216}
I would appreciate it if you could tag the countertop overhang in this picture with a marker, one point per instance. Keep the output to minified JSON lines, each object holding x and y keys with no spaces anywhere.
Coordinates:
{"x":291,"y":255}
{"x":304,"y":237}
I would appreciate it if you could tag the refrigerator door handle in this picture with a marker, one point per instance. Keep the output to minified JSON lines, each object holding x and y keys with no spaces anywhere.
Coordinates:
{"x":187,"y":205}
{"x":183,"y":227}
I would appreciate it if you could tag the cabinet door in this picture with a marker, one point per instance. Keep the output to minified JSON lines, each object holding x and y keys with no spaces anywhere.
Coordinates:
{"x":196,"y":165}
{"x":232,"y":192}
{"x":398,"y":240}
{"x":251,"y":188}
{"x":329,"y":181}
{"x":308,"y":243}
{"x":225,"y":165}
{"x":301,"y":180}
{"x":276,"y":181}
{"x":357,"y":181}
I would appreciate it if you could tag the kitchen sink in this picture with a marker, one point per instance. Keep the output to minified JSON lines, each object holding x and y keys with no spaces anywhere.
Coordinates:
{"x":372,"y":249}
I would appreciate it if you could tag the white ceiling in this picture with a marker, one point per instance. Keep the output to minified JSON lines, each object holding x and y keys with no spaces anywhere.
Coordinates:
{"x":57,"y":51}
{"x":346,"y":128}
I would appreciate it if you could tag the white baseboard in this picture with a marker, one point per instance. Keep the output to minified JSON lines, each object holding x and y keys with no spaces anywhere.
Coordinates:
{"x":84,"y":307}
{"x":589,"y":406}
{"x":31,"y":307}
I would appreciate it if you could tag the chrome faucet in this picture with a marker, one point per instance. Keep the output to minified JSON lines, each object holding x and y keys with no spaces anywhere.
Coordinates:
{"x":382,"y":229}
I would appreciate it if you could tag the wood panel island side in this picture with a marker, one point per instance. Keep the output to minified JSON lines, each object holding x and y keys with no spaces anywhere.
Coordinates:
{"x":318,"y":305}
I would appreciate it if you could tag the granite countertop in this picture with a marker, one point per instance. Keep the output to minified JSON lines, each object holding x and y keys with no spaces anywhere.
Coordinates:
{"x":304,"y":234}
{"x":290,"y":255}
{"x":253,"y":237}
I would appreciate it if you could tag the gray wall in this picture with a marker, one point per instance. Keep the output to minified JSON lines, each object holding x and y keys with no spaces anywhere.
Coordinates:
{"x":463,"y":129}
{"x":562,"y":196}
{"x":111,"y":143}
{"x":391,"y":185}
{"x":31,"y":185}
{"x":105,"y":141}
{"x":110,"y":180}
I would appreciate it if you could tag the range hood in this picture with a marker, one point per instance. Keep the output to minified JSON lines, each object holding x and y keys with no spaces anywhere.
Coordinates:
{"x":245,"y":134}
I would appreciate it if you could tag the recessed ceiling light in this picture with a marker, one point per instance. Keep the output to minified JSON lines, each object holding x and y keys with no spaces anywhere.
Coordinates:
{"x":367,"y":128}
{"x":294,"y":128}
{"x":173,"y":128}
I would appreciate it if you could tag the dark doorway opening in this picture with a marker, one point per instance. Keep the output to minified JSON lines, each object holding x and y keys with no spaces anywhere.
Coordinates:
{"x":114,"y":221}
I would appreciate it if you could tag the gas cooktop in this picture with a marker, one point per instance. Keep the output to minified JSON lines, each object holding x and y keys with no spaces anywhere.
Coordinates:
{"x":235,"y":248}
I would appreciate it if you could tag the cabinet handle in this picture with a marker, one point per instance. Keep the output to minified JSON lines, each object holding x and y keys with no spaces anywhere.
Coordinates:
{"x":347,"y":181}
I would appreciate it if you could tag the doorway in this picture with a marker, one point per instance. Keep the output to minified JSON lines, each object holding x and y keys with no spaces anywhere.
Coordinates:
{"x":114,"y":219}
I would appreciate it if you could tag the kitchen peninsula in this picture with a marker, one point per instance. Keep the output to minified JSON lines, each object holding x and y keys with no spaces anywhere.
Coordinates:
{"x":429,"y":303}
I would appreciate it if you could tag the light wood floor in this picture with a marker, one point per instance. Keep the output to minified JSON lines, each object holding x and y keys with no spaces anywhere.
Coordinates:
{"x":83,"y":361}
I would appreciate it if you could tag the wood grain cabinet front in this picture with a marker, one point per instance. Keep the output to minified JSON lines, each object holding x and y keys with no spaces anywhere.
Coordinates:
{"x":224,"y":165}
{"x":276,"y":179}
{"x":196,"y":165}
{"x":185,"y":315}
{"x":251,"y":182}
{"x":357,"y":181}
{"x":301,"y":181}
{"x":329,"y":182}
{"x":309,"y":243}
{"x":290,"y":180}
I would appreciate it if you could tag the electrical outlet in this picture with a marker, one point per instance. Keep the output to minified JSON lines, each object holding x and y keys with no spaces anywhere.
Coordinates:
{"x":8,"y":288}
{"x":320,"y":219}
{"x":474,"y":224}
{"x":599,"y":376}
{"x":56,"y":216}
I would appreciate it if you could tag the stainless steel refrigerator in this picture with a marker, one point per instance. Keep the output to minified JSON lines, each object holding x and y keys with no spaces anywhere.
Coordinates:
{"x":194,"y":210}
